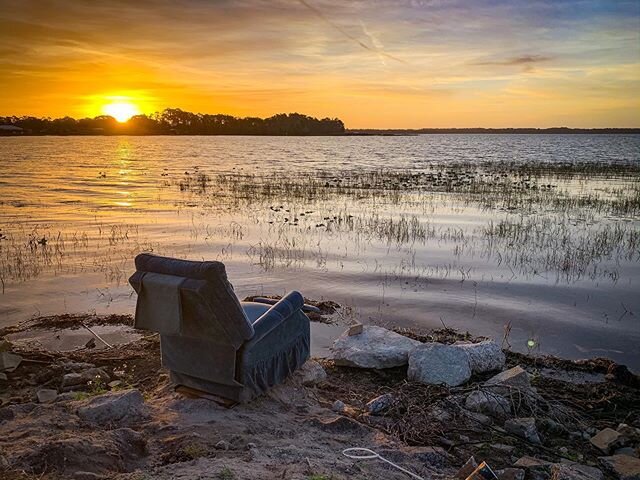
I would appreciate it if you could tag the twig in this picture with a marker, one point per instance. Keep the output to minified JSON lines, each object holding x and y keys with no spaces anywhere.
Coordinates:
{"x":96,"y":335}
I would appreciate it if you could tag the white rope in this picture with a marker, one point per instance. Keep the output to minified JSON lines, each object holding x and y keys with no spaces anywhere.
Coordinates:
{"x":367,"y":454}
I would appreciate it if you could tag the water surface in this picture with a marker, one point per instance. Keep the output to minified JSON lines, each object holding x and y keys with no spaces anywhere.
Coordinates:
{"x":537,"y":234}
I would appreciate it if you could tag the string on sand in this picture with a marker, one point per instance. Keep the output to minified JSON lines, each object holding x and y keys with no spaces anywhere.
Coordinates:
{"x":358,"y":453}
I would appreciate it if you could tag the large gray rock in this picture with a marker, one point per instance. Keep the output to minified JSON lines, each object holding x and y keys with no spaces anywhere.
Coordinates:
{"x":485,"y":356}
{"x":523,"y":428}
{"x":489,"y":403}
{"x":436,"y":364}
{"x":375,"y":347}
{"x":127,"y":406}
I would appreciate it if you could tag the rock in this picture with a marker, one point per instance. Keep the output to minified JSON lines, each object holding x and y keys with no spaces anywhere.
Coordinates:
{"x":510,"y":474}
{"x":375,"y":347}
{"x":575,"y":471}
{"x":114,"y":407}
{"x":489,"y":403}
{"x":114,"y":384}
{"x":523,"y":428}
{"x":9,"y":361}
{"x":623,"y":467}
{"x":223,"y":445}
{"x":87,"y":476}
{"x":440,"y":414}
{"x":436,"y":364}
{"x":515,"y":378}
{"x":632,"y":452}
{"x":355,"y":329}
{"x":502,"y":447}
{"x":484,"y":356}
{"x":535,"y":469}
{"x":606,"y":440}
{"x":338,"y":406}
{"x":380,"y":404}
{"x":47,"y":395}
{"x":91,"y":374}
{"x":480,"y":418}
{"x":312,"y":373}
{"x":76,"y":366}
{"x":251,"y":445}
{"x":549,"y":425}
{"x":467,"y":469}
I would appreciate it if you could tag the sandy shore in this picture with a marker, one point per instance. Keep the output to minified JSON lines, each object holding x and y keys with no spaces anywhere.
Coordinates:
{"x":124,"y":420}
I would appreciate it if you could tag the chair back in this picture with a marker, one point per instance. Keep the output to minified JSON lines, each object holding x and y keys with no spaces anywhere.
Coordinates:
{"x":188,"y":298}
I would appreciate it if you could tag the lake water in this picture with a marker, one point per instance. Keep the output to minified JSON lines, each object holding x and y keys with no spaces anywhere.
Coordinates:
{"x":535,"y":234}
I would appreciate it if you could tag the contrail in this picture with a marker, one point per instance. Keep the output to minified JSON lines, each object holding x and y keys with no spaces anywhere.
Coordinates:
{"x":347,"y":34}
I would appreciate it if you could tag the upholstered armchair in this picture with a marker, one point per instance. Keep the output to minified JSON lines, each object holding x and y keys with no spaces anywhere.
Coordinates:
{"x":209,"y":340}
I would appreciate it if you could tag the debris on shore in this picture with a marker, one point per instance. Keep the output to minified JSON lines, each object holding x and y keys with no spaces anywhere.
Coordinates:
{"x":438,"y":403}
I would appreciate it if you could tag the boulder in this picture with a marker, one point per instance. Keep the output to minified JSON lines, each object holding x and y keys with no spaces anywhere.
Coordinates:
{"x":375,"y":347}
{"x":624,"y":467}
{"x":485,"y":356}
{"x":436,"y":364}
{"x":575,"y":471}
{"x":311,"y":373}
{"x":114,"y":408}
{"x":523,"y":428}
{"x":606,"y":440}
{"x":380,"y":404}
{"x":488,"y":402}
{"x":515,"y":378}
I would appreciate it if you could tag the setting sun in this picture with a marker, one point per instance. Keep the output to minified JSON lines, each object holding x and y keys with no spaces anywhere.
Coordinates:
{"x":121,"y":111}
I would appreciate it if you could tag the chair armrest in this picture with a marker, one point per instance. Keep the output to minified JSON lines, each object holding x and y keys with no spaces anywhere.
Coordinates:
{"x":285,"y":308}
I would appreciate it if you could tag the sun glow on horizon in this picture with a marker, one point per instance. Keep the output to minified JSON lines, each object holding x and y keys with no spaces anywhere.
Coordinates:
{"x":121,"y":110}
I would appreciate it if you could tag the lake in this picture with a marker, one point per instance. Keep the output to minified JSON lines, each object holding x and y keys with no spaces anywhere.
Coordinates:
{"x":533,"y":239}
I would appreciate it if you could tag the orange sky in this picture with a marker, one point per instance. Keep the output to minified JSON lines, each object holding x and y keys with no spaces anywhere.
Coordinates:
{"x":374,"y":64}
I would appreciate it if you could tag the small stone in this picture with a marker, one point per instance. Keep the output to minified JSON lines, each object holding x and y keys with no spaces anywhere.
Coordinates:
{"x":437,"y":364}
{"x":9,"y":361}
{"x":529,"y":462}
{"x":502,"y":447}
{"x":338,"y":406}
{"x":46,"y":395}
{"x":3,"y":377}
{"x":251,"y":445}
{"x":88,"y":476}
{"x":114,"y":407}
{"x":71,"y":379}
{"x":489,"y":403}
{"x":485,"y":356}
{"x":563,"y":450}
{"x":515,"y":378}
{"x":223,"y":445}
{"x":480,"y":418}
{"x":575,"y":471}
{"x":312,"y":373}
{"x":375,"y":347}
{"x":114,"y":384}
{"x":606,"y":440}
{"x":523,"y":428}
{"x":510,"y":474}
{"x":467,"y":469}
{"x":380,"y":404}
{"x":623,"y":467}
{"x":356,"y":329}
{"x":632,"y":452}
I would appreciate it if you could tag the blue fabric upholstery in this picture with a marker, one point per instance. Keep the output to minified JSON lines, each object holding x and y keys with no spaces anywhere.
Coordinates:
{"x":221,"y":349}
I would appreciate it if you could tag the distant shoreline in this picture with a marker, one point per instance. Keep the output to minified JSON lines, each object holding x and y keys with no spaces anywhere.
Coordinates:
{"x":502,"y":131}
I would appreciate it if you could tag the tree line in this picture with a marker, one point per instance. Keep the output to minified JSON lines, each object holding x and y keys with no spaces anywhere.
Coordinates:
{"x":174,"y":121}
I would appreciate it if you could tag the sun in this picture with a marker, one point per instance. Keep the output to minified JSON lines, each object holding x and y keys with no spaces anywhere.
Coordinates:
{"x":121,"y":111}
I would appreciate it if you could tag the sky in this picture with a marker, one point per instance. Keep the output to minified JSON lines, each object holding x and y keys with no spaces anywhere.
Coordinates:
{"x":374,"y":64}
